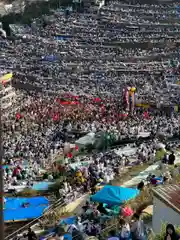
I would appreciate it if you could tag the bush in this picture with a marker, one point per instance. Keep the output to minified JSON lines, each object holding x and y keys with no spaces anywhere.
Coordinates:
{"x":33,"y":10}
{"x":143,"y":200}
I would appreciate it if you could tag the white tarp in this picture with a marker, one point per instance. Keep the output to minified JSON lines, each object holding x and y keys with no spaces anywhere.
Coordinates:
{"x":87,"y":139}
{"x":127,"y":151}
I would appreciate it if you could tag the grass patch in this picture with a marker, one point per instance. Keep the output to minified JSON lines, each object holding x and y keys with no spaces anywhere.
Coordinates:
{"x":129,"y":174}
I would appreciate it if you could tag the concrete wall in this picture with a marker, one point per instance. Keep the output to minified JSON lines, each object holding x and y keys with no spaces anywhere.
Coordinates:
{"x":163,"y":213}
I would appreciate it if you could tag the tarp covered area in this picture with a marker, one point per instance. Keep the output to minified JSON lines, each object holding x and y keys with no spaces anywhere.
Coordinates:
{"x":114,"y":195}
{"x":23,"y":214}
{"x":14,"y":209}
{"x":15,"y":202}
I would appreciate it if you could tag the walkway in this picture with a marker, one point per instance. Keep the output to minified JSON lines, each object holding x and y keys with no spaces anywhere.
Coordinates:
{"x":144,"y":174}
{"x":141,"y":176}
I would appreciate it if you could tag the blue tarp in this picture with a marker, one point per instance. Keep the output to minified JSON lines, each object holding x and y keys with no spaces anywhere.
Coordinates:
{"x":69,"y":221}
{"x":21,"y":214}
{"x":50,"y":58}
{"x":14,"y":203}
{"x":14,"y":211}
{"x":41,"y":186}
{"x":62,"y":37}
{"x":114,"y":195}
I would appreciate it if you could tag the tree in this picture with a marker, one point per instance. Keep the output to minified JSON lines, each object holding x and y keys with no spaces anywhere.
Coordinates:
{"x":33,"y":10}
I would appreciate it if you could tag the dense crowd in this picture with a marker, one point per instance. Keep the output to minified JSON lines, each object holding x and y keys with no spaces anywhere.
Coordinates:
{"x":72,"y":69}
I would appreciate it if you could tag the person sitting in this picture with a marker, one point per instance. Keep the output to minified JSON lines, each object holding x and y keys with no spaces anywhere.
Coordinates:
{"x":140,"y":186}
{"x":171,"y":233}
{"x":125,"y":230}
{"x":4,"y":202}
{"x":25,"y":205}
{"x":86,"y":206}
{"x":167,"y":177}
{"x":113,"y":235}
{"x":153,"y":180}
{"x":138,"y":228}
{"x":31,"y":234}
{"x":102,"y":209}
{"x":165,"y":158}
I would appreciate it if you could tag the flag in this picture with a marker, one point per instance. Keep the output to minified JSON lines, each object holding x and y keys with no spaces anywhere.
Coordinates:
{"x":55,"y":117}
{"x":18,"y":116}
{"x":146,"y":115}
{"x":97,"y":99}
{"x":69,"y":155}
{"x":6,"y":77}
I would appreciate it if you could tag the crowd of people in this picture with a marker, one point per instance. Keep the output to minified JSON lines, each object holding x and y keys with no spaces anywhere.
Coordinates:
{"x":56,"y":57}
{"x":71,"y":69}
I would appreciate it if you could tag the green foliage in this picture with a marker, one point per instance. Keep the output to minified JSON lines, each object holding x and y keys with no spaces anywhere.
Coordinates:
{"x":89,"y":148}
{"x":33,"y":10}
{"x":162,"y":234}
{"x":142,"y":201}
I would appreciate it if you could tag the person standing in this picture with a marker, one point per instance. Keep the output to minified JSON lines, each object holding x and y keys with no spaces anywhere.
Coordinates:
{"x":31,"y":234}
{"x":138,"y":229}
{"x":171,"y":159}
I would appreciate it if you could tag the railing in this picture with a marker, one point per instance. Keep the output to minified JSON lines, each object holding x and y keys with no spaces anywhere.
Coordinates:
{"x":59,"y":203}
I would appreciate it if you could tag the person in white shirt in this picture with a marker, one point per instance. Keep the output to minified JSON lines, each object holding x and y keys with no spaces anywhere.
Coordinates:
{"x":125,"y":230}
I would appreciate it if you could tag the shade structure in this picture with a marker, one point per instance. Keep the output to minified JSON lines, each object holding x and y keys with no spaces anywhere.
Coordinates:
{"x":114,"y":195}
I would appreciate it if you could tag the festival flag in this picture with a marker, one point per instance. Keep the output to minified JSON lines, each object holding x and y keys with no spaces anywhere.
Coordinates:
{"x":69,"y":155}
{"x":6,"y":77}
{"x":146,"y":115}
{"x":75,"y":97}
{"x":97,"y":99}
{"x":18,"y":116}
{"x":55,"y":117}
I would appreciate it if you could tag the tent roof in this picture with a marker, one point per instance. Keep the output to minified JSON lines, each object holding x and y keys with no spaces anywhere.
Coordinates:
{"x":114,"y":195}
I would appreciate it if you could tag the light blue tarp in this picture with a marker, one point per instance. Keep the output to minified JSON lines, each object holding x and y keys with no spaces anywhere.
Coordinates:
{"x":41,"y":186}
{"x":69,"y":220}
{"x":14,"y":211}
{"x":114,"y":195}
